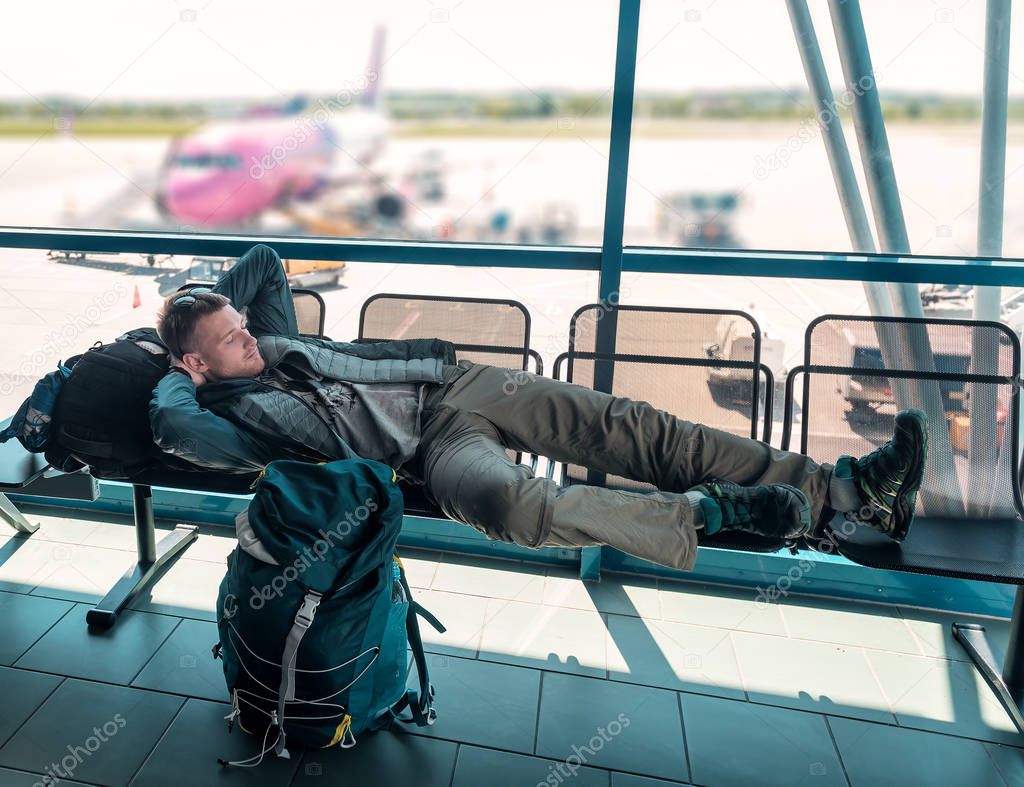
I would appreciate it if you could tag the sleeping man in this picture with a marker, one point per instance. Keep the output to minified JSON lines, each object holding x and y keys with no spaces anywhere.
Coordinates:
{"x":244,"y":389}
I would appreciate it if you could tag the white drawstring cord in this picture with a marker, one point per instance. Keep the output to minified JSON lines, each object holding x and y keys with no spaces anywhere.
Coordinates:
{"x":277,"y":664}
{"x":247,"y":763}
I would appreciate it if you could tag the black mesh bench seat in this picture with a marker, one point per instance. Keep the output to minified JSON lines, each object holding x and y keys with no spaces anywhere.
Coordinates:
{"x":703,"y":364}
{"x":493,"y":331}
{"x":987,"y":550}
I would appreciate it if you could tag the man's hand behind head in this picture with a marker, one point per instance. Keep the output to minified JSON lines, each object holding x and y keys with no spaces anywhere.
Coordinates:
{"x":197,"y":377}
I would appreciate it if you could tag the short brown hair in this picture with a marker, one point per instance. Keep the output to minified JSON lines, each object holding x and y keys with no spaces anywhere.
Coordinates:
{"x":177,"y":324}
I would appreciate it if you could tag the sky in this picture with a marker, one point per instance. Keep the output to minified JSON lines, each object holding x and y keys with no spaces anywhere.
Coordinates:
{"x":181,"y":49}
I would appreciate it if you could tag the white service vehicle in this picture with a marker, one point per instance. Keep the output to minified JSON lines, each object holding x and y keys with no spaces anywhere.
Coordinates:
{"x":734,"y":341}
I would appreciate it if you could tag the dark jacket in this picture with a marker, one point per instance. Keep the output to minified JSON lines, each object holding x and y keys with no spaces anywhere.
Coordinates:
{"x":240,"y":425}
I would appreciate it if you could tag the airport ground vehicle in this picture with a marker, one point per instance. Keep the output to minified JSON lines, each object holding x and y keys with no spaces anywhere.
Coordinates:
{"x":701,"y":219}
{"x":300,"y":273}
{"x":870,"y":390}
{"x":735,"y":342}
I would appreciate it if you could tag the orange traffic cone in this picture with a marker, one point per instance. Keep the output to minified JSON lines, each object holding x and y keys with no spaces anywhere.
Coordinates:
{"x":137,"y":299}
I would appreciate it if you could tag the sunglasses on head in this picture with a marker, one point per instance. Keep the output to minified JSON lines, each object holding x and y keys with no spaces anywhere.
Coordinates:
{"x":188,"y":299}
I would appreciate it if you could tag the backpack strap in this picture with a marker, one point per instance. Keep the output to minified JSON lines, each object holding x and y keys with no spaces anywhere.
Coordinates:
{"x":286,"y":691}
{"x":421,"y":705}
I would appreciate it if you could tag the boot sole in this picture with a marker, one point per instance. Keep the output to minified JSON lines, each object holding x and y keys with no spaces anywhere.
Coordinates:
{"x":916,"y":421}
{"x":803,"y":515}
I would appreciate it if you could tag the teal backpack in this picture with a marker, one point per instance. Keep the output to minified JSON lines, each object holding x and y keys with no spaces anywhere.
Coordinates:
{"x":315,"y":614}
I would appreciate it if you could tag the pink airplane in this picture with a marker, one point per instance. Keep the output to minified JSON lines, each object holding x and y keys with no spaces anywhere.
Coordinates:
{"x":228,"y":174}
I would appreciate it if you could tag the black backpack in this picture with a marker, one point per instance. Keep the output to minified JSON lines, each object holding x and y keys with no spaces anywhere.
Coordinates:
{"x":101,"y":417}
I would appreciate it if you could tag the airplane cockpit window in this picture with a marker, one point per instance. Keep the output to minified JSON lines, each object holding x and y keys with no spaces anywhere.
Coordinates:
{"x":208,"y":161}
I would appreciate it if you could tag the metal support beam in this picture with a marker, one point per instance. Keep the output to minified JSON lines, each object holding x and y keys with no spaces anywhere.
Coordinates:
{"x":1007,"y":684}
{"x":827,"y":116}
{"x":13,"y":517}
{"x":912,"y":341}
{"x":982,"y":449}
{"x":610,"y":277}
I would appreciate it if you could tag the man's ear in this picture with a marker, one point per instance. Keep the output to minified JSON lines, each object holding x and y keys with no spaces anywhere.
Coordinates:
{"x":193,"y":362}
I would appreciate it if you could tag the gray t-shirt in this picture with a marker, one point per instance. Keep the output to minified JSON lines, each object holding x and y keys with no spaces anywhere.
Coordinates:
{"x":379,"y":421}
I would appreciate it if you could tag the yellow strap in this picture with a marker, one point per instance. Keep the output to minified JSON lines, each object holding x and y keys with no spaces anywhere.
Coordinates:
{"x":340,"y":732}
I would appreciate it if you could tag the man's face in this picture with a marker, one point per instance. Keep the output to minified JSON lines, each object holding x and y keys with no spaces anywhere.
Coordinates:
{"x":224,"y":348}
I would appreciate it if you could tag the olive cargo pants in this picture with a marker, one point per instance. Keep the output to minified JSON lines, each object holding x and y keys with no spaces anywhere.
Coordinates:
{"x":481,"y":410}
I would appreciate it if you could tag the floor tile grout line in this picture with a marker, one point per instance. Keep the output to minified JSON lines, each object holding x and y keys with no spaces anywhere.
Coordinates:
{"x":686,"y":743}
{"x":455,"y":764}
{"x":913,"y":636}
{"x":995,"y":765}
{"x":298,"y":769}
{"x":48,"y":630}
{"x":127,"y":608}
{"x":818,"y":641}
{"x":224,"y":701}
{"x":878,"y":683}
{"x":493,"y":748}
{"x":835,"y":746}
{"x":159,"y":647}
{"x":785,"y":623}
{"x":536,"y":721}
{"x":903,"y":608}
{"x":896,"y":725}
{"x":26,"y":720}
{"x":739,"y":667}
{"x":44,"y":776}
{"x":157,"y":743}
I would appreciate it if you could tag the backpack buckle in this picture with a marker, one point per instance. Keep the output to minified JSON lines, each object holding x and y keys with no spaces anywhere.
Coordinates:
{"x":306,"y":613}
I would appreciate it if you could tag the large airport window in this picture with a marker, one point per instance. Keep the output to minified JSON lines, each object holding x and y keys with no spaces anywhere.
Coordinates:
{"x":726,"y":150}
{"x":402,"y":119}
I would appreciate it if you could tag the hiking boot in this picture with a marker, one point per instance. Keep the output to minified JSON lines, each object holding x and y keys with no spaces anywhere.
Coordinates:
{"x":888,"y":478}
{"x":774,"y":511}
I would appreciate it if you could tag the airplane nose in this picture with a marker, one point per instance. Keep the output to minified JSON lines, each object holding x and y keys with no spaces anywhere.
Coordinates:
{"x":215,"y":198}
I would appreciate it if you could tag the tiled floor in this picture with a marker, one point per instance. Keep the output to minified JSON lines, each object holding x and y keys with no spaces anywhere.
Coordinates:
{"x":540,"y":679}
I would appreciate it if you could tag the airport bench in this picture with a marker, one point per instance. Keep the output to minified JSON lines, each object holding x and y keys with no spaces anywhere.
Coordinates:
{"x":492,"y":331}
{"x":969,"y":513}
{"x":678,"y":360}
{"x":26,"y":473}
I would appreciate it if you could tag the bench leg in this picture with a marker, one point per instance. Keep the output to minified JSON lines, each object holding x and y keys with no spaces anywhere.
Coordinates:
{"x":153,"y":557}
{"x":1009,"y":685}
{"x":13,"y":517}
{"x":590,"y":563}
